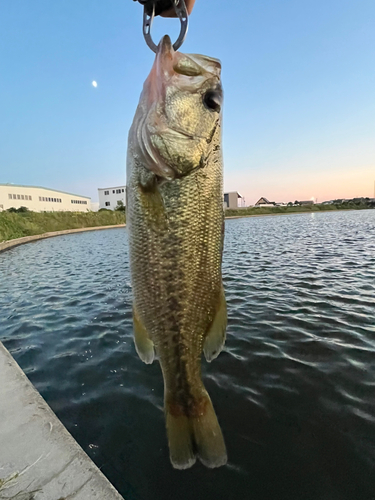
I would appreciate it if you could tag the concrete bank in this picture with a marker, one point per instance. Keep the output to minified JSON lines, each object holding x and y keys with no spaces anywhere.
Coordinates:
{"x":39,"y":459}
{"x":6,"y":245}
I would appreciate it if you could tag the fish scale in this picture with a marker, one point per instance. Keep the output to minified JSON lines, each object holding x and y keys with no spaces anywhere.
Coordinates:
{"x":175,"y":226}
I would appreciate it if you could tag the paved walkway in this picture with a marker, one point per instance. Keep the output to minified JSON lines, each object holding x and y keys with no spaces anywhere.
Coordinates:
{"x":39,"y":459}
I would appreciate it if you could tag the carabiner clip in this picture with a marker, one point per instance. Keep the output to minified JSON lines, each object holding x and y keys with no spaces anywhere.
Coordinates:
{"x":181,"y":12}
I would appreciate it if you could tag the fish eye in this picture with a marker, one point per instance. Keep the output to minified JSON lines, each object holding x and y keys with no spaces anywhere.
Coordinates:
{"x":212,"y":99}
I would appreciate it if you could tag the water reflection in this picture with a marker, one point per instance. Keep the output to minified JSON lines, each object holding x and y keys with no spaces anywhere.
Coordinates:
{"x":293,"y":389}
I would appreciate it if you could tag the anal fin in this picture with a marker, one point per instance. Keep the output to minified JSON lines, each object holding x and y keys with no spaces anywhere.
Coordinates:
{"x":143,"y":344}
{"x":215,"y":338}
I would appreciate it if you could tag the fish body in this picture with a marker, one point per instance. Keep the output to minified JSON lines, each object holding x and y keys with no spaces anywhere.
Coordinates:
{"x":175,"y":222}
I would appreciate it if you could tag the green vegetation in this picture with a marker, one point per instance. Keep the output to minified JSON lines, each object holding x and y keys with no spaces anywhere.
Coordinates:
{"x":18,"y":224}
{"x":120,"y":207}
{"x":355,"y":204}
{"x":18,"y":210}
{"x":21,"y":222}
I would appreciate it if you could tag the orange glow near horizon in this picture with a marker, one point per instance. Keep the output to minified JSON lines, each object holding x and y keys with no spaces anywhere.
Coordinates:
{"x":321,"y":186}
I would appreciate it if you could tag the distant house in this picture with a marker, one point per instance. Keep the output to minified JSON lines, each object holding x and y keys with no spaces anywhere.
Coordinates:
{"x":306,"y":202}
{"x":112,"y":197}
{"x":233,"y":200}
{"x":263,"y":202}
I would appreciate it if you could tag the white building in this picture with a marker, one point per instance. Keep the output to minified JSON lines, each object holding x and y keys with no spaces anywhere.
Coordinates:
{"x":111,"y":197}
{"x":40,"y":199}
{"x":233,"y":200}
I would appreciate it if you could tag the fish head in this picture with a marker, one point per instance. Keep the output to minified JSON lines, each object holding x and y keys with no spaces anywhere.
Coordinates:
{"x":179,"y":112}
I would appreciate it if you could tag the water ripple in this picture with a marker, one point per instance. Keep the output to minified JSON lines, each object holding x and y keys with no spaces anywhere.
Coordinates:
{"x":293,"y":388}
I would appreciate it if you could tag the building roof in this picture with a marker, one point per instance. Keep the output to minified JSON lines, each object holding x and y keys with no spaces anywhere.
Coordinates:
{"x":234,"y":192}
{"x":113,"y":187}
{"x":265,"y":201}
{"x":47,"y":189}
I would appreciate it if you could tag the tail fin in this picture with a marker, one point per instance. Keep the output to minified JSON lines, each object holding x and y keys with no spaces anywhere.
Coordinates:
{"x":197,"y":434}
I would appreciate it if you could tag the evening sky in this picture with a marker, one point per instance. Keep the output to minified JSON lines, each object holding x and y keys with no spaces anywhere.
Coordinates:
{"x":299,"y":81}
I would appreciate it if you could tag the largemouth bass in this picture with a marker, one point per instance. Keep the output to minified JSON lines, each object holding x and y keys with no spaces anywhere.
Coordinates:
{"x":175,"y":222}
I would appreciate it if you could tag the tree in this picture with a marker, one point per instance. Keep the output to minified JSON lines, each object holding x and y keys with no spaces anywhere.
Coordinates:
{"x":120,"y":206}
{"x":18,"y":210}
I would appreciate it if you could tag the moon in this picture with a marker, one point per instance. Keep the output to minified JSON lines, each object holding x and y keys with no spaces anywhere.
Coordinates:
{"x":94,"y":84}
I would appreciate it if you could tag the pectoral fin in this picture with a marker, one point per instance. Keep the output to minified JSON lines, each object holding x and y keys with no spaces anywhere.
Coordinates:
{"x":143,"y":344}
{"x":215,"y":338}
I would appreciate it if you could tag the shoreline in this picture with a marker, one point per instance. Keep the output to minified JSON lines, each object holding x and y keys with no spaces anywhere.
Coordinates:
{"x":297,"y":213}
{"x":38,"y":455}
{"x":7,"y":245}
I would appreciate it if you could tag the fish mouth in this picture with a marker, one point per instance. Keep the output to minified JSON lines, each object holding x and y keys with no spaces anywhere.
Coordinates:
{"x":164,"y":58}
{"x":165,"y":47}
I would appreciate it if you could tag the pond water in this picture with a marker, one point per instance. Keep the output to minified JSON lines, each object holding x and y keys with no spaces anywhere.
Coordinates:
{"x":294,"y":389}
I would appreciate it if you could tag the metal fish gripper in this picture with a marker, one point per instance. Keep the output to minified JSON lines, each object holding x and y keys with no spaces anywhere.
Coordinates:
{"x":181,"y":13}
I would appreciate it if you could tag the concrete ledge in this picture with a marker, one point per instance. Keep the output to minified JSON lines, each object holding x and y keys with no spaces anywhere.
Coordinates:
{"x":6,"y":245}
{"x":39,"y":459}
